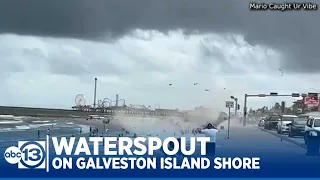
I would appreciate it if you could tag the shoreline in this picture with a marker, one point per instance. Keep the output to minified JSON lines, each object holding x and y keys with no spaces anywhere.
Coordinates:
{"x":119,"y":125}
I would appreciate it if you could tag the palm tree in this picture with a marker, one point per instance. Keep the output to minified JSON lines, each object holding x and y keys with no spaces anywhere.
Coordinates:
{"x":276,"y":106}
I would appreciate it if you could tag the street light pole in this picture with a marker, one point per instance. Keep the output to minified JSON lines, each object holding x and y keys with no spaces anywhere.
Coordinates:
{"x":236,"y":106}
{"x":95,"y":93}
{"x":245,"y":110}
{"x":229,"y":125}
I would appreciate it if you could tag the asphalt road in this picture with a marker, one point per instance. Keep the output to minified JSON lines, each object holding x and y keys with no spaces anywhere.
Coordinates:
{"x":299,"y":140}
{"x":283,"y":156}
{"x":245,"y":141}
{"x":251,"y":141}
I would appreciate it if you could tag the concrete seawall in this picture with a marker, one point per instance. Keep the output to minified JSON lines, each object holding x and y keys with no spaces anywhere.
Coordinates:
{"x":41,"y":112}
{"x":44,"y":112}
{"x":64,"y":113}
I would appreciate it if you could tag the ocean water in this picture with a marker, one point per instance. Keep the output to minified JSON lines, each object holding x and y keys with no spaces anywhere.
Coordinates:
{"x":13,"y":128}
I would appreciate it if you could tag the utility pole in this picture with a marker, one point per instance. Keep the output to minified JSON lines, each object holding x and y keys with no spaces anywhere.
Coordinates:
{"x":229,"y":125}
{"x":245,"y":110}
{"x":283,"y":106}
{"x":303,"y":105}
{"x":236,"y":107}
{"x":95,"y":93}
{"x":229,"y":105}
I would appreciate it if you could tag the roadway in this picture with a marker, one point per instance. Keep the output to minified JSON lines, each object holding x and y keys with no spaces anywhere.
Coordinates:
{"x":245,"y":142}
{"x":278,"y":158}
{"x":298,"y":140}
{"x":252,"y":141}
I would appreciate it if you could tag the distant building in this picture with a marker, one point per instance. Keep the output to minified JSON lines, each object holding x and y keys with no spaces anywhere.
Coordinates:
{"x":167,"y":110}
{"x":298,"y":104}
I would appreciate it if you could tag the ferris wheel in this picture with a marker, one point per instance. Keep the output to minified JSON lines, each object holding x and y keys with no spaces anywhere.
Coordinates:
{"x":80,"y":100}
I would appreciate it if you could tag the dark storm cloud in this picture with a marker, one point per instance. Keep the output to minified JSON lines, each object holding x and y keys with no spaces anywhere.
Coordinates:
{"x":93,"y":19}
{"x":295,"y":34}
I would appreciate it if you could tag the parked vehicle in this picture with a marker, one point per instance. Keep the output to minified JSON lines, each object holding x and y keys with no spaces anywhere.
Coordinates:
{"x":282,"y":123}
{"x":96,"y":117}
{"x":313,"y":124}
{"x":272,"y":122}
{"x":297,"y":126}
{"x":262,"y":121}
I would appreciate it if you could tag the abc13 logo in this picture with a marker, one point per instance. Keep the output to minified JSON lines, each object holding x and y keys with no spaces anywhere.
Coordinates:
{"x":28,"y":155}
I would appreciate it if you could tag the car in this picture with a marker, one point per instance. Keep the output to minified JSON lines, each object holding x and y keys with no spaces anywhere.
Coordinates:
{"x":262,"y":121}
{"x":272,"y":122}
{"x":296,"y":127}
{"x":282,"y":123}
{"x":313,"y":124}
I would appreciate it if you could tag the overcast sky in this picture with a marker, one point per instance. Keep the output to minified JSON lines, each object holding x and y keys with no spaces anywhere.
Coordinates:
{"x":52,"y":50}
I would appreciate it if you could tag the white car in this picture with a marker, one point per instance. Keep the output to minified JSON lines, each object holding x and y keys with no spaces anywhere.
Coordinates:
{"x":262,"y":121}
{"x":283,"y":122}
{"x":313,"y":124}
{"x":96,"y":117}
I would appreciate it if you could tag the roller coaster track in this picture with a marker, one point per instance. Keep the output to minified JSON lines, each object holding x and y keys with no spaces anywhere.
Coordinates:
{"x":106,"y":102}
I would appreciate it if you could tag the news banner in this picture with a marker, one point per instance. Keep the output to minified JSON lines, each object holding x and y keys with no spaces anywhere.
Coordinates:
{"x":34,"y":154}
{"x":125,"y":157}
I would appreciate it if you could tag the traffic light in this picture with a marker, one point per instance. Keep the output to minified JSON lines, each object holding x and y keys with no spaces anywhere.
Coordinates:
{"x":238,"y":106}
{"x":295,"y":95}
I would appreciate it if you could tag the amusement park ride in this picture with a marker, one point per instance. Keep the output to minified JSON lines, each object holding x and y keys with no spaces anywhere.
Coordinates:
{"x":107,"y":106}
